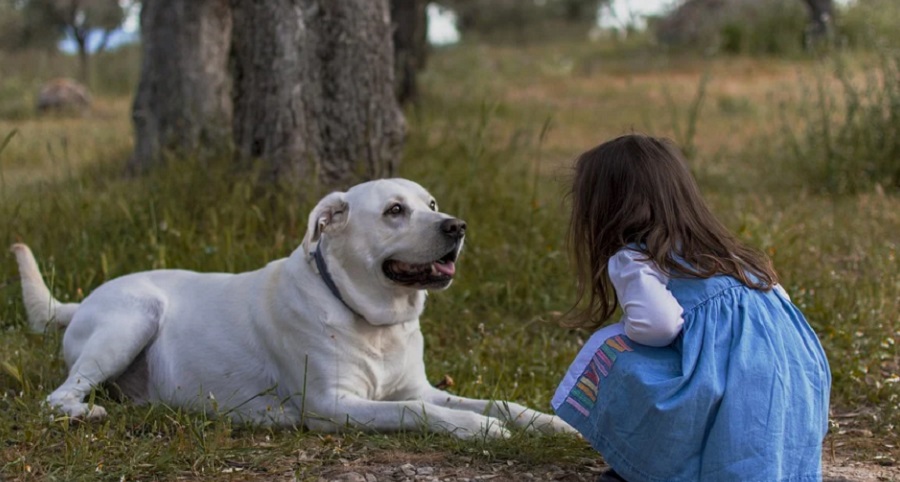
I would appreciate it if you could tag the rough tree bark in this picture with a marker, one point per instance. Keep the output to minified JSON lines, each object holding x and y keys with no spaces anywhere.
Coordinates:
{"x":183,"y":103}
{"x":410,"y":21}
{"x":314,"y":88}
{"x":821,"y":16}
{"x":271,"y":52}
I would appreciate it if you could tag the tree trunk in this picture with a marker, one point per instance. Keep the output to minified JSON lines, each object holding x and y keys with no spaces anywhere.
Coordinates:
{"x":360,"y":121}
{"x":410,"y":21}
{"x":84,"y":69}
{"x":821,"y":18}
{"x":273,"y":85}
{"x":183,"y":103}
{"x":313,"y":89}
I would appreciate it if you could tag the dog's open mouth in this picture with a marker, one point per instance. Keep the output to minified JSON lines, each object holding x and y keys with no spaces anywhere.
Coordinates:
{"x":438,"y":273}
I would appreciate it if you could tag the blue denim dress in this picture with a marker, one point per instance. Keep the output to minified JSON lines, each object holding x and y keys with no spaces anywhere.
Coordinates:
{"x":741,"y":394}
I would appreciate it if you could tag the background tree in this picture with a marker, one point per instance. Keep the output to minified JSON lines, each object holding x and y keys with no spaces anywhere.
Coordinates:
{"x":271,"y":48}
{"x":770,"y":27}
{"x":183,"y":101}
{"x":305,"y":86}
{"x":314,"y":88}
{"x":46,"y":21}
{"x":22,"y":28}
{"x":523,"y":20}
{"x":821,"y":19}
{"x":410,"y":23}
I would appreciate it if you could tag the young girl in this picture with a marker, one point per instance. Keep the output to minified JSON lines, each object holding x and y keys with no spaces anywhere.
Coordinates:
{"x":712,"y":374}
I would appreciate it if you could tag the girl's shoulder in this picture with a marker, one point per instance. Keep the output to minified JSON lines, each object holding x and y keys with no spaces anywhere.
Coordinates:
{"x":632,"y":267}
{"x":630,"y":259}
{"x":630,"y":263}
{"x":693,"y":292}
{"x":629,"y":254}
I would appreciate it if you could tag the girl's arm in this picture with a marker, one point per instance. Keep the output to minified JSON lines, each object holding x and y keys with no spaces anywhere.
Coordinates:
{"x":652,"y":314}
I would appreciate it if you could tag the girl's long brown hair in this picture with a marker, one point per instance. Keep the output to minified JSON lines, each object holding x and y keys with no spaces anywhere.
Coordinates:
{"x":637,"y":190}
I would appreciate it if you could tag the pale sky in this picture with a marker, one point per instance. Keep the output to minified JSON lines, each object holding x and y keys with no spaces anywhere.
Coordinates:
{"x":442,"y":23}
{"x":619,"y":13}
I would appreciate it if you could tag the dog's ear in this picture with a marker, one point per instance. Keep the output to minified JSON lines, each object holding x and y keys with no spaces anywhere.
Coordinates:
{"x":331,"y":212}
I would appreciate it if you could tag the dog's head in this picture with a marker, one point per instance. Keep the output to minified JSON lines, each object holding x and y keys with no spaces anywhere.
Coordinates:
{"x":385,"y":242}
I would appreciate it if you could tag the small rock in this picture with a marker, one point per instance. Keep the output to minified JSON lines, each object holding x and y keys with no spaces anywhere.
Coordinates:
{"x":425,"y":471}
{"x":408,"y":470}
{"x":349,"y":477}
{"x":63,"y":94}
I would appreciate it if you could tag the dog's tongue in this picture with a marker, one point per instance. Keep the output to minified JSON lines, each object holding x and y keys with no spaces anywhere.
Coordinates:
{"x":448,"y":268}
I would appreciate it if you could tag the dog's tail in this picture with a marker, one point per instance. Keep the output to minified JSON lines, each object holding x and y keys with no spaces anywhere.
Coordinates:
{"x":42,"y":308}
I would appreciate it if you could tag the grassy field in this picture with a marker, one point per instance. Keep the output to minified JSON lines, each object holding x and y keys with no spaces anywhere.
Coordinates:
{"x":493,"y":138}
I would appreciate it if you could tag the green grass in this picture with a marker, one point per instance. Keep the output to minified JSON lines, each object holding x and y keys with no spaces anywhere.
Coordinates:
{"x":493,"y":139}
{"x":851,"y":142}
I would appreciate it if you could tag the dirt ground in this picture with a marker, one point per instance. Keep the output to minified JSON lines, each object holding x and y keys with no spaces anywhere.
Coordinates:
{"x":847,"y":458}
{"x":419,"y":467}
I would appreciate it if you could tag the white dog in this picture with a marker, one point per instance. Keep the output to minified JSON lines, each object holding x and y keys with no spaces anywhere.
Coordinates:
{"x":327,"y":338}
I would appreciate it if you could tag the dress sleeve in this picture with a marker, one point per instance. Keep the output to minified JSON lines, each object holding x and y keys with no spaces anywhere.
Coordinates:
{"x":652,"y":314}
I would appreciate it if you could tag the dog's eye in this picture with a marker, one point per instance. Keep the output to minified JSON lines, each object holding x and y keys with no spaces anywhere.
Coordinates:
{"x":433,"y":205}
{"x":395,"y":210}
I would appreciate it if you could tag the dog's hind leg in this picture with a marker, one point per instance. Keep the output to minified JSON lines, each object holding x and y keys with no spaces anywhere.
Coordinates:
{"x":99,"y":345}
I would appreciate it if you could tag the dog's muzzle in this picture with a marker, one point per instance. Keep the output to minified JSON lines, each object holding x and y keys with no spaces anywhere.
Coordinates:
{"x":435,"y":274}
{"x":454,"y":228}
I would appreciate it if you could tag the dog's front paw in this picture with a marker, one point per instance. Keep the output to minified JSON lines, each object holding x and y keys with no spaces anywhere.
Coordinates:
{"x":555,"y":425}
{"x":486,"y":427}
{"x":81,"y":411}
{"x":494,"y":428}
{"x":542,"y":422}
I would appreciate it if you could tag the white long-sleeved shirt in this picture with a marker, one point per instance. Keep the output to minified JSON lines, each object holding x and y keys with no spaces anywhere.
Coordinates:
{"x":652,"y":314}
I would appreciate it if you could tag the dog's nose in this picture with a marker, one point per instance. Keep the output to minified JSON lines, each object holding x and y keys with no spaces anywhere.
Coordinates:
{"x":455,"y":228}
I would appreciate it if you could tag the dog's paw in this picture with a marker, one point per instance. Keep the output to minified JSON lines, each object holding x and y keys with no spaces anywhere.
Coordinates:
{"x":94,"y":412}
{"x":557,"y":425}
{"x":485,"y":428}
{"x":81,"y":411}
{"x":494,"y":429}
{"x":543,"y":423}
